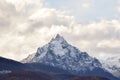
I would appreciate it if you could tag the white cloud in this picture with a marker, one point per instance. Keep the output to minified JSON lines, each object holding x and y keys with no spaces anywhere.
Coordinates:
{"x":108,"y":44}
{"x":30,"y":25}
{"x":22,"y":5}
{"x":97,"y":38}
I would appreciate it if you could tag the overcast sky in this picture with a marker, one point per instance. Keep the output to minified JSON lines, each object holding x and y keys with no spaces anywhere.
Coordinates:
{"x":91,"y":25}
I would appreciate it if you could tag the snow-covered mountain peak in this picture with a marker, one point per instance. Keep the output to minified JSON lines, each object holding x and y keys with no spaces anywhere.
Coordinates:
{"x":58,"y":45}
{"x":59,"y":53}
{"x":58,"y":39}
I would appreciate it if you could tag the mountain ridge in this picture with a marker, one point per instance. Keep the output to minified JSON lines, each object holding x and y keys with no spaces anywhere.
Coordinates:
{"x":9,"y":64}
{"x":59,"y":53}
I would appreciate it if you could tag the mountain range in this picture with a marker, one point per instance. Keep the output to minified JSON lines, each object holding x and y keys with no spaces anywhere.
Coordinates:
{"x":58,"y":60}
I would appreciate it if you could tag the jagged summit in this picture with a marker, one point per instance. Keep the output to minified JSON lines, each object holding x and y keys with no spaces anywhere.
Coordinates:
{"x":59,"y":39}
{"x":58,"y":36}
{"x":60,"y":54}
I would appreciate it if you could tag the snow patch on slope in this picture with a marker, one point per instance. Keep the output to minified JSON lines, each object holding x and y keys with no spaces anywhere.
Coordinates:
{"x":112,"y":65}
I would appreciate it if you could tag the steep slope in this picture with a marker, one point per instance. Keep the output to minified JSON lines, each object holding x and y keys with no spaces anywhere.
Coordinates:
{"x":58,"y":53}
{"x":28,"y":58}
{"x":112,"y":65}
{"x":8,"y":64}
